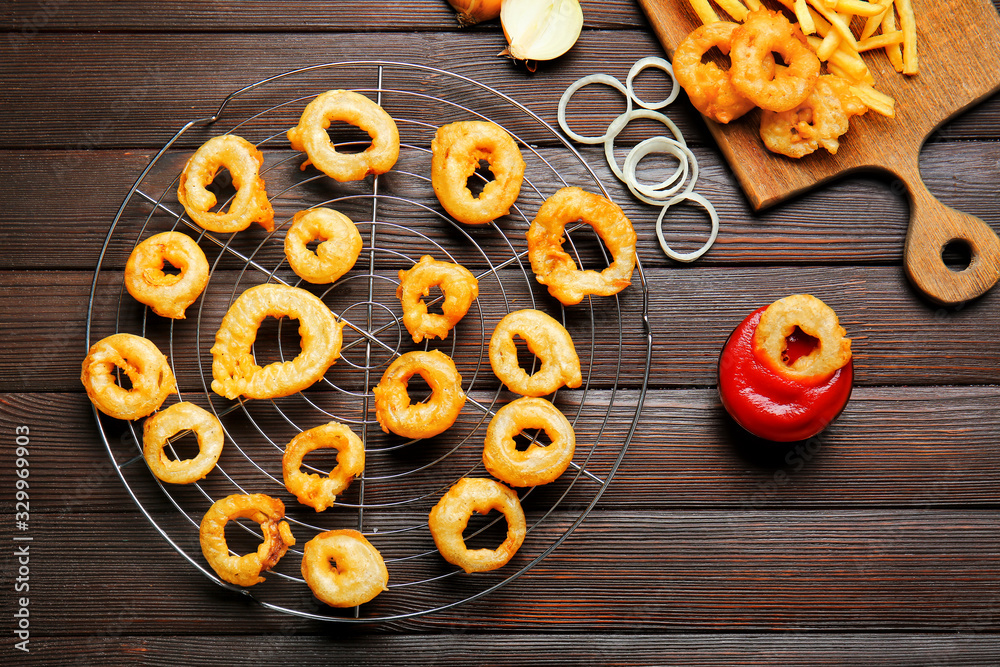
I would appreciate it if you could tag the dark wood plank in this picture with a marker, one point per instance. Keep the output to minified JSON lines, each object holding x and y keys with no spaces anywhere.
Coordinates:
{"x":832,"y":225}
{"x":832,"y":571}
{"x":116,"y":645}
{"x":898,"y":339}
{"x":919,"y":448}
{"x":28,"y":17}
{"x":124,"y":95}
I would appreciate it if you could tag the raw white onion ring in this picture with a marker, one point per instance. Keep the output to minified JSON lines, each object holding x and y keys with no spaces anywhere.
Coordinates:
{"x":619,"y":124}
{"x":605,"y":79}
{"x":712,"y":214}
{"x":660,"y":64}
{"x":655,"y":196}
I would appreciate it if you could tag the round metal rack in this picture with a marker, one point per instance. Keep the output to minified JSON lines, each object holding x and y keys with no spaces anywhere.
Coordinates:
{"x":400,"y":220}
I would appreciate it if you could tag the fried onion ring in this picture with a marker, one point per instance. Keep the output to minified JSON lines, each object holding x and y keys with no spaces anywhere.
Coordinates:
{"x":765,"y":32}
{"x":546,"y":339}
{"x":817,"y":122}
{"x":450,"y":517}
{"x":340,"y":245}
{"x":245,"y":570}
{"x":146,"y":367}
{"x":168,"y":294}
{"x":249,"y":205}
{"x":234,"y":369}
{"x":707,"y":85}
{"x":309,"y":488}
{"x":460,"y":289}
{"x":345,"y":105}
{"x":457,"y":149}
{"x":167,"y":423}
{"x":554,"y":267}
{"x":812,"y":317}
{"x":538,"y":464}
{"x":343,"y":569}
{"x":393,"y":409}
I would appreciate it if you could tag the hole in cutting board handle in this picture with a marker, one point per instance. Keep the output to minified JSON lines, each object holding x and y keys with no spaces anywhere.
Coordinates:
{"x":957,"y":255}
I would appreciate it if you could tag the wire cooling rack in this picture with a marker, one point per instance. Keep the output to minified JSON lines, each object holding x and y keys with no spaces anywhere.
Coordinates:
{"x":400,"y":220}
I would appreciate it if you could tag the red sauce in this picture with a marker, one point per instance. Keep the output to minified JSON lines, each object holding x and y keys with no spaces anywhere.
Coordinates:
{"x":769,"y":405}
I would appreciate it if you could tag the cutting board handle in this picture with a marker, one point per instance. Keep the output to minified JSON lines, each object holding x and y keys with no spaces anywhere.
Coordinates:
{"x":933,"y":226}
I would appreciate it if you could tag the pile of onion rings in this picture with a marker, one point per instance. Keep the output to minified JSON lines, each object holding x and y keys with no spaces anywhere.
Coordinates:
{"x":679,"y":187}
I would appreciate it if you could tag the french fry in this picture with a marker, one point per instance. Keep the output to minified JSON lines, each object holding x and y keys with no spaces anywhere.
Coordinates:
{"x":804,"y":17}
{"x":875,"y":100}
{"x":754,"y":5}
{"x":893,"y":51}
{"x":908,"y":24}
{"x":828,"y":45}
{"x":704,"y":11}
{"x":880,"y":41}
{"x":734,"y":8}
{"x":875,"y":22}
{"x":837,"y":21}
{"x":846,"y":59}
{"x":858,"y":8}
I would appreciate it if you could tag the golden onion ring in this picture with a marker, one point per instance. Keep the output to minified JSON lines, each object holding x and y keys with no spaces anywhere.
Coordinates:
{"x":146,"y":367}
{"x":456,"y":150}
{"x":311,"y":489}
{"x":460,"y":289}
{"x":707,"y":85}
{"x":249,"y":205}
{"x":343,"y":569}
{"x":538,"y":464}
{"x":753,"y":74}
{"x":310,"y":135}
{"x":234,"y":369}
{"x":340,"y":245}
{"x":450,"y":517}
{"x":393,"y":409}
{"x":546,"y":339}
{"x":554,"y":267}
{"x":168,"y":294}
{"x":245,"y":570}
{"x":167,"y":423}
{"x":814,"y":318}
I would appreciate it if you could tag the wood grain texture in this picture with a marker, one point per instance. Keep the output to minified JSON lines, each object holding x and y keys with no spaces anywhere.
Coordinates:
{"x":686,"y":454}
{"x":949,"y":37}
{"x":832,"y":571}
{"x":898,"y":340}
{"x":875,"y":544}
{"x":28,"y":17}
{"x":635,"y":648}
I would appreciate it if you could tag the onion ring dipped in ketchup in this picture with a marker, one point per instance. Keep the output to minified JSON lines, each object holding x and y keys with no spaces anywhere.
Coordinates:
{"x":786,"y":371}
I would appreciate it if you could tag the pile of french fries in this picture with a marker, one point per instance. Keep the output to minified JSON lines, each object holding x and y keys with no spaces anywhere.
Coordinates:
{"x":830,"y":25}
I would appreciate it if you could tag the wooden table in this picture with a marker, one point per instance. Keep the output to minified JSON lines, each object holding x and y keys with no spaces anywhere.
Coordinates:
{"x":875,"y":544}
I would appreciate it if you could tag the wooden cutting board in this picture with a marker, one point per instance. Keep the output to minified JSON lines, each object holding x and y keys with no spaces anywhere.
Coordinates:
{"x":958,"y":50}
